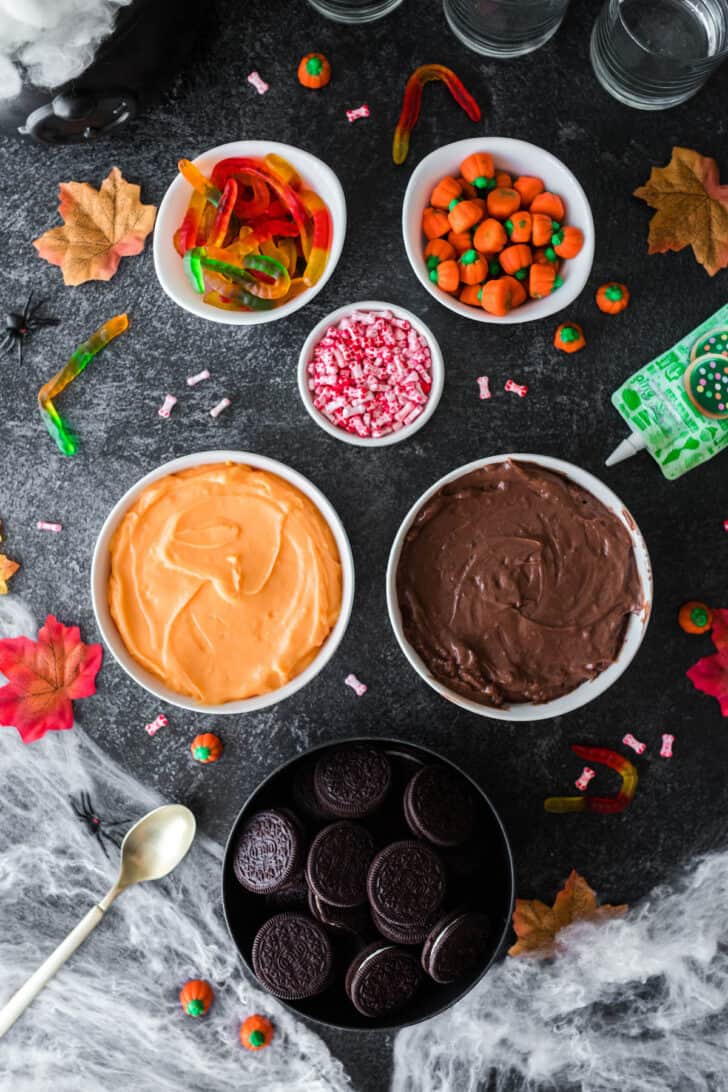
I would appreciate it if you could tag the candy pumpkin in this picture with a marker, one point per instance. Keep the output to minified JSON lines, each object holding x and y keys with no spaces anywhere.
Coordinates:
{"x":503,"y":180}
{"x":465,"y":215}
{"x":503,"y":202}
{"x":478,"y":169}
{"x":612,"y":298}
{"x":541,"y":280}
{"x":196,"y":996}
{"x":438,"y":250}
{"x":314,"y":71}
{"x":542,"y":229}
{"x":519,"y":227}
{"x":516,"y":259}
{"x":490,"y":236}
{"x":206,"y":748}
{"x":471,"y":294}
{"x":550,"y":204}
{"x":460,"y":240}
{"x":567,"y":241}
{"x":473,"y":267}
{"x":446,"y":276}
{"x":695,"y":617}
{"x":569,"y":337}
{"x":528,"y":187}
{"x":502,"y":295}
{"x":256,"y":1032}
{"x":435,"y":223}
{"x":445,"y":192}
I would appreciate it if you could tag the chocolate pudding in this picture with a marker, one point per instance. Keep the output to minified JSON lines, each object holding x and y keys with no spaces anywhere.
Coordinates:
{"x":516,"y":584}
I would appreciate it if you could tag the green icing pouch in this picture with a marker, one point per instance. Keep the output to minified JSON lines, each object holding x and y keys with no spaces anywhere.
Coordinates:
{"x":677,"y":405}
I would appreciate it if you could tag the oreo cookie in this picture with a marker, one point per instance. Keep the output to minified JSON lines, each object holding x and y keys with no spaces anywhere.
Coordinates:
{"x":269,"y":852}
{"x":352,"y":782}
{"x":304,"y":795}
{"x":292,"y":957}
{"x":438,"y":806}
{"x":355,"y":920}
{"x":457,"y":945}
{"x":338,"y":863}
{"x":401,"y":934}
{"x":382,"y":979}
{"x":406,"y":883}
{"x":294,"y":896}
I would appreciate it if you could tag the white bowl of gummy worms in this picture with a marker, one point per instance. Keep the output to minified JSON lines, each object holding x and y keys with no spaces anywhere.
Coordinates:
{"x":371,"y":374}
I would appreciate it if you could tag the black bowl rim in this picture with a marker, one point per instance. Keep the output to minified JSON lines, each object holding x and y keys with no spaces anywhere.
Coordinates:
{"x":389,"y":742}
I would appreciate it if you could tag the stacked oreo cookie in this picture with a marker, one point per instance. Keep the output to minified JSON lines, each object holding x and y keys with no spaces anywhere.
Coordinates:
{"x":364,"y":877}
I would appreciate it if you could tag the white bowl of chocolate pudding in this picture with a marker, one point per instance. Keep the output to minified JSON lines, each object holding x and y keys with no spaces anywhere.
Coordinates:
{"x":222,"y":582}
{"x":519,"y":587}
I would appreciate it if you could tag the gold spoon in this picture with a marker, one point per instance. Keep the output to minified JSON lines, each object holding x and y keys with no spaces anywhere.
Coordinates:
{"x":152,"y":847}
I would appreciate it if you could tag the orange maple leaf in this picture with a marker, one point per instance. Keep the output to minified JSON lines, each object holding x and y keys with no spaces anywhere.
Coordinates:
{"x":692,"y":208}
{"x":537,"y":925}
{"x":8,"y":568}
{"x":99,"y":228}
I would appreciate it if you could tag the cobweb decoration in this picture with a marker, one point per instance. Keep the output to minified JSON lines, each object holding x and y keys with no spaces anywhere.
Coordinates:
{"x":637,"y":1005}
{"x":111,"y":1019}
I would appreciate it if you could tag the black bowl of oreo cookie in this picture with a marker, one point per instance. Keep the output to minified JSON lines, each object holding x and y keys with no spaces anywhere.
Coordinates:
{"x":368,"y":884}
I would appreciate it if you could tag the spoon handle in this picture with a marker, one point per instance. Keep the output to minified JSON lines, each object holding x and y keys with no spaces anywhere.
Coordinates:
{"x":19,"y":1002}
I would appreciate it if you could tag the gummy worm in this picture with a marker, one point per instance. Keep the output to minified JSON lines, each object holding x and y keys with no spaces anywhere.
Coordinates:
{"x":259,"y":263}
{"x":227,"y":167}
{"x":233,"y":293}
{"x":225,"y":207}
{"x":602,"y":804}
{"x":413,"y":100}
{"x":185,"y":237}
{"x":248,"y":208}
{"x":197,"y":180}
{"x":321,"y":241}
{"x":84,"y":354}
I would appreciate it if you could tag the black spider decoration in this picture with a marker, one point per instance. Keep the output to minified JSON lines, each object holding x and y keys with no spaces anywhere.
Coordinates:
{"x":99,"y":828}
{"x":19,"y":325}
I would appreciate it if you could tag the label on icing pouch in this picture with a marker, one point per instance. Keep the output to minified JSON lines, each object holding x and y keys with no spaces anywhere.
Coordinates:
{"x":678,"y":403}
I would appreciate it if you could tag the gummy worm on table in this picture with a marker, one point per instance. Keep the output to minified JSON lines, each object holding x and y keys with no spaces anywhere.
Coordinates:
{"x":412,"y":102}
{"x":601,"y":804}
{"x":84,"y":354}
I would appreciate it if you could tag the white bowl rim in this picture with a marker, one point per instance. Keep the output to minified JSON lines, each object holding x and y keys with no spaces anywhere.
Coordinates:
{"x":100,"y":567}
{"x":438,"y":373}
{"x":636,"y":625}
{"x":532,"y":310}
{"x":310,"y":165}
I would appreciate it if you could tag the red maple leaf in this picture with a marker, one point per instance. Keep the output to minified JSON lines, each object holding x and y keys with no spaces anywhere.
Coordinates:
{"x":44,"y":676}
{"x":711,"y":673}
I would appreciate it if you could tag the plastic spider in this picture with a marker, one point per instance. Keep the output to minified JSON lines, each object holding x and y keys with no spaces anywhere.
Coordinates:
{"x":99,"y":828}
{"x":18,"y":325}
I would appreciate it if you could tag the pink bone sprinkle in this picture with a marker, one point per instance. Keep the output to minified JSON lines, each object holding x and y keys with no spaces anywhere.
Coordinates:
{"x":725,"y":524}
{"x":221,"y":405}
{"x":585,"y":777}
{"x":371,"y":374}
{"x":192,"y":380}
{"x":360,"y":112}
{"x":158,"y":722}
{"x":521,"y":391}
{"x":258,"y":82}
{"x":630,"y":741}
{"x":167,"y":406}
{"x":483,"y":386}
{"x":358,"y":687}
{"x":43,"y":525}
{"x":667,"y":742}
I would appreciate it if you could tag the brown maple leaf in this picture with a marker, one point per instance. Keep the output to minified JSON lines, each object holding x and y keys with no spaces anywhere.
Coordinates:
{"x":100,"y":227}
{"x":692,"y":208}
{"x":8,"y":568}
{"x":537,"y":925}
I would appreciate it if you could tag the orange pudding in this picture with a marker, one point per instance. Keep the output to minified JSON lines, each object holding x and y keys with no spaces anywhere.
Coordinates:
{"x":225,"y":581}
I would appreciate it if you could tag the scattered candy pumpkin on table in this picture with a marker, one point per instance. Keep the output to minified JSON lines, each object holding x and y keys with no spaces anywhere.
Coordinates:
{"x":569,"y":337}
{"x":612,"y":298}
{"x":256,"y":1032}
{"x":314,"y":71}
{"x":695,"y":617}
{"x":196,"y":996}
{"x":206,"y":748}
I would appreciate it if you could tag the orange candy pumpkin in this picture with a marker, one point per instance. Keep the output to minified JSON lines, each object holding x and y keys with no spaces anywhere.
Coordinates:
{"x":520,"y":227}
{"x":695,"y":617}
{"x":503,"y":202}
{"x":541,"y":280}
{"x":314,"y":71}
{"x":501,"y":295}
{"x":473,"y":267}
{"x":445,"y":192}
{"x":471,"y":294}
{"x":490,"y":236}
{"x":550,"y":204}
{"x":528,"y":187}
{"x":465,"y":215}
{"x":569,"y":337}
{"x":503,"y":180}
{"x":256,"y":1032}
{"x":541,"y":229}
{"x":446,"y":276}
{"x":460,"y":240}
{"x":440,"y":249}
{"x":206,"y":748}
{"x":567,"y":241}
{"x":196,"y":996}
{"x":435,"y":223}
{"x":612,"y":298}
{"x":478,"y":169}
{"x":516,"y":258}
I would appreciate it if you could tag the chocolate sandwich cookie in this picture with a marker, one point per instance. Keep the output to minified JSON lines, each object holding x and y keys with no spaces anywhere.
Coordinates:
{"x":292,"y":957}
{"x":457,"y":945}
{"x":406,"y":883}
{"x":401,"y":934}
{"x":269,"y":852}
{"x":382,"y":979}
{"x":338,"y":863}
{"x":347,"y":919}
{"x":293,"y":896}
{"x":352,"y":782}
{"x":438,"y":806}
{"x":304,"y":795}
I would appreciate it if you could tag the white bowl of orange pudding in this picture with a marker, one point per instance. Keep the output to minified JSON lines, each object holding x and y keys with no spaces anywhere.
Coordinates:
{"x":222,"y":582}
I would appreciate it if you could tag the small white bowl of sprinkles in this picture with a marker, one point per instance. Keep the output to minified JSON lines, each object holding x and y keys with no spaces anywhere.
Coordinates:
{"x":371,"y":374}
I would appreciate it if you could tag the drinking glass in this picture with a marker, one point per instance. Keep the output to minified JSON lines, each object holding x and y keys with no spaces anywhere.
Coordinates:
{"x":354,"y":11}
{"x":504,"y":28}
{"x":652,"y":54}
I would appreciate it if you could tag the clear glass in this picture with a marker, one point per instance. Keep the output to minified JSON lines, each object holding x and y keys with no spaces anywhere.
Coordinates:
{"x":652,"y":54}
{"x":354,"y":11}
{"x":504,"y":28}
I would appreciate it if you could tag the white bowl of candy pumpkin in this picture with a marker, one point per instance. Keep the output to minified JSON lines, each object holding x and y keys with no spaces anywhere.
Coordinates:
{"x":498,"y":230}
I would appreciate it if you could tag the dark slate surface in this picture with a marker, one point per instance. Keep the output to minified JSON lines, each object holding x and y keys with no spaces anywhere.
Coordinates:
{"x":551,"y":99}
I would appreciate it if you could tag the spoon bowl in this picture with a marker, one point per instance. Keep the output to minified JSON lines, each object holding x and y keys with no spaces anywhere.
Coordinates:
{"x":155,"y":844}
